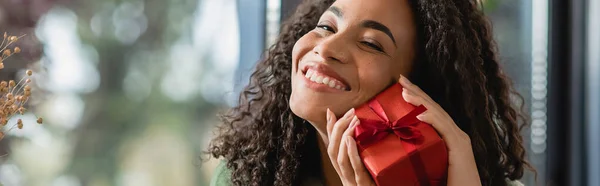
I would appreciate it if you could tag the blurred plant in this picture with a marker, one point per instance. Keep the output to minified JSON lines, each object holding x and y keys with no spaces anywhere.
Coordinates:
{"x":14,"y":96}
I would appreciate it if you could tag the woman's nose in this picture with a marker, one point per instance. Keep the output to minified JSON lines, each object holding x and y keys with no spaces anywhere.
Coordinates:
{"x":332,"y":48}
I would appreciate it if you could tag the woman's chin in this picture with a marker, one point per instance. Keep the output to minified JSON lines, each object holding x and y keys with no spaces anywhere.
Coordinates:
{"x":310,"y":113}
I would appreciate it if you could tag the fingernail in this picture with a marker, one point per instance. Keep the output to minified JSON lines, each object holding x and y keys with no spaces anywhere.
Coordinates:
{"x":352,"y":123}
{"x":349,"y":113}
{"x":404,"y":90}
{"x":420,"y":117}
{"x":328,"y":115}
{"x":405,"y":80}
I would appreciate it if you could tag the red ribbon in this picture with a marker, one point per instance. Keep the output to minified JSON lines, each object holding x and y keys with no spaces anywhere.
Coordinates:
{"x":371,"y":131}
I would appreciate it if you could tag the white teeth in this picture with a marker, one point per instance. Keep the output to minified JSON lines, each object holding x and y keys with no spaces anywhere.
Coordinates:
{"x":309,"y":73}
{"x":314,"y":77}
{"x":332,"y":84}
{"x":326,"y":80}
{"x":319,"y":79}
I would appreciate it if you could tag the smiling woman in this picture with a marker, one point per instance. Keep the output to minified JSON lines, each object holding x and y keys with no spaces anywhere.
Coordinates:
{"x":293,"y":118}
{"x":351,"y":44}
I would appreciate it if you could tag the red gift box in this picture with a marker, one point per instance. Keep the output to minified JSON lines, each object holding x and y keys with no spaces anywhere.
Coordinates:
{"x":395,"y":146}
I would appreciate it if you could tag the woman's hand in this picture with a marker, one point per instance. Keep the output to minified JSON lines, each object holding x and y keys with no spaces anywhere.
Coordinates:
{"x":462,"y":169}
{"x":343,"y":152}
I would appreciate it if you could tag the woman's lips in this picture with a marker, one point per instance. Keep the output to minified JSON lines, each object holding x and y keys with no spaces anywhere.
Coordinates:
{"x":321,"y":77}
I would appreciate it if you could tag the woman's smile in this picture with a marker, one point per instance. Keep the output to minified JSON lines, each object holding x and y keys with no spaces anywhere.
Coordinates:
{"x":322,"y":78}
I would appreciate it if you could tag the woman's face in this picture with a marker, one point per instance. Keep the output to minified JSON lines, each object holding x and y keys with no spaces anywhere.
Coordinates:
{"x":358,"y":49}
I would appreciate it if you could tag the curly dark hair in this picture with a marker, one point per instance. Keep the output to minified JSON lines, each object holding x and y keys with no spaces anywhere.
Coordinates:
{"x":264,"y":143}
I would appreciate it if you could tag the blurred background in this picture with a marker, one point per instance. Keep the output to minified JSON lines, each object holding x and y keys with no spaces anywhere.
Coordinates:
{"x":130,"y":89}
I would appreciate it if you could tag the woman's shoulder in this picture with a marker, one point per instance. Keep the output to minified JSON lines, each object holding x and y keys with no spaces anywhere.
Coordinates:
{"x":221,"y":175}
{"x":514,"y":183}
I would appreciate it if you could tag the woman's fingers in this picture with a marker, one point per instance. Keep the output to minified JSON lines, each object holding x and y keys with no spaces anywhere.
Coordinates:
{"x":343,"y":160}
{"x":448,"y":131}
{"x":430,"y":116}
{"x":337,"y":128}
{"x":342,"y":149}
{"x":362,"y":177}
{"x":414,"y":88}
{"x":433,"y":120}
{"x":435,"y":114}
{"x":412,"y":98}
{"x":331,"y":119}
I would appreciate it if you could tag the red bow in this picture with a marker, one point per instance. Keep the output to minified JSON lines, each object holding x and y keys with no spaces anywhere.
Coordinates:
{"x":370,"y":131}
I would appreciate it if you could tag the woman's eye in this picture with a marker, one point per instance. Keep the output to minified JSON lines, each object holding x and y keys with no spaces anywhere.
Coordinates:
{"x":325,"y":27}
{"x":372,"y":45}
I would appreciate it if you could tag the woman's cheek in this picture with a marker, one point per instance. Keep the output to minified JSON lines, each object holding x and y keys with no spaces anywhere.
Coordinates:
{"x":305,"y":44}
{"x":373,"y":67}
{"x":374,"y":76}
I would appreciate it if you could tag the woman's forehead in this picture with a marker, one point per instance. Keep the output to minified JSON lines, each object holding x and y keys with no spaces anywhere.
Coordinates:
{"x":388,"y":12}
{"x":394,"y":14}
{"x":374,"y":8}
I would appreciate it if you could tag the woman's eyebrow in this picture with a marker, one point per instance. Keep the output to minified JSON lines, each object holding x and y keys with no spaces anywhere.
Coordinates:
{"x":337,"y":11}
{"x":378,"y":26}
{"x":367,"y":23}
